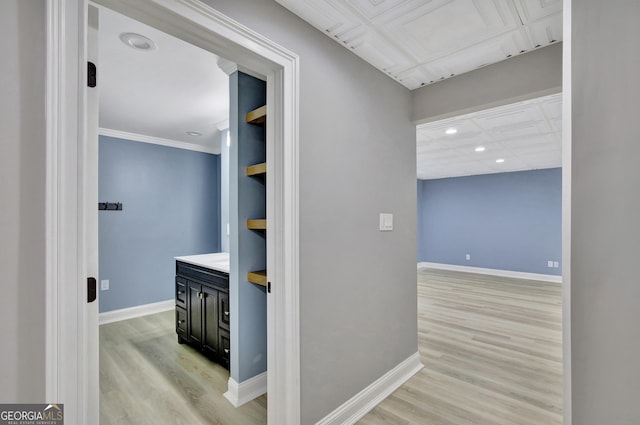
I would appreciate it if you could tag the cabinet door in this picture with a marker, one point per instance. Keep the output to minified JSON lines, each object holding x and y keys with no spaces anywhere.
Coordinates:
{"x":223,"y":310}
{"x":181,"y":292}
{"x":181,"y":322}
{"x":210,"y":321}
{"x":194,"y":311}
{"x":224,"y":344}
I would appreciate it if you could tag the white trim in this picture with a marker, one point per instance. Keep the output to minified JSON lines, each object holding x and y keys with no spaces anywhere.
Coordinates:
{"x":67,"y":356}
{"x":493,"y":272}
{"x":227,"y":66}
{"x":360,"y":404}
{"x":55,"y":42}
{"x":566,"y":212}
{"x":223,"y":125}
{"x":137,"y":311}
{"x":239,"y":393}
{"x":156,"y":140}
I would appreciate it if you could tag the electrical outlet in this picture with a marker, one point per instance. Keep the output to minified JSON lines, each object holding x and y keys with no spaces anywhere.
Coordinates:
{"x":556,"y":264}
{"x":549,"y":263}
{"x":468,"y":256}
{"x":104,"y":285}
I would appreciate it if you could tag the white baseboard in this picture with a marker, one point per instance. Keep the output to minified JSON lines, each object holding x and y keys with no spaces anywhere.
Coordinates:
{"x":137,"y":311}
{"x":493,"y":272}
{"x":360,"y":404}
{"x":239,"y":393}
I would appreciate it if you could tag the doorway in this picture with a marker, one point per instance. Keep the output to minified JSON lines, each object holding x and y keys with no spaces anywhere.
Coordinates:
{"x":201,"y":25}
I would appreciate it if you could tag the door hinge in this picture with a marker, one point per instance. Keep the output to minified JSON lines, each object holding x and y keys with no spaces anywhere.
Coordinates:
{"x":92,"y":77}
{"x":92,"y":289}
{"x":269,"y":287}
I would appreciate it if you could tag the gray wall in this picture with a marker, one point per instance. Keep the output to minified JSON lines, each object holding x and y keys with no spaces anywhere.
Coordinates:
{"x":171,"y":207}
{"x":22,"y":190}
{"x":522,"y":77}
{"x":605,"y":234}
{"x":357,"y":159}
{"x":505,"y":221}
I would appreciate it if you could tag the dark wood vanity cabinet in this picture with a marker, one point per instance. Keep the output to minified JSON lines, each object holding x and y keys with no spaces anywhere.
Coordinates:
{"x":202,"y":310}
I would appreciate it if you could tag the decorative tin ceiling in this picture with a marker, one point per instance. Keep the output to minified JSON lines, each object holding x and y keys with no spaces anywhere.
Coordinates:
{"x":420,"y":42}
{"x":526,"y":135}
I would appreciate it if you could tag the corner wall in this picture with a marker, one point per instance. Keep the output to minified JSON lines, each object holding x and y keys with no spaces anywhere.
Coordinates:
{"x":22,"y":190}
{"x":357,"y":159}
{"x":605,"y":206}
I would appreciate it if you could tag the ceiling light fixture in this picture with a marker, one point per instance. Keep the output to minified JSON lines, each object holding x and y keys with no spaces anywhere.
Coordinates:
{"x":194,"y":133}
{"x":451,"y":131}
{"x":137,"y":41}
{"x":480,"y":149}
{"x":500,"y":160}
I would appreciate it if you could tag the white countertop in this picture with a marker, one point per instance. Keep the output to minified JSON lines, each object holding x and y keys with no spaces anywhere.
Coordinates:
{"x":216,"y":261}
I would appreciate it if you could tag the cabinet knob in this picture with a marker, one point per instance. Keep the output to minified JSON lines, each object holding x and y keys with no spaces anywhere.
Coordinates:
{"x":226,"y":313}
{"x":180,"y":292}
{"x":180,"y":322}
{"x":226,"y":351}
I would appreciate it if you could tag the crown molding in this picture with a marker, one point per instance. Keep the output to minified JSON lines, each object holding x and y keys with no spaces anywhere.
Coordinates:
{"x":223,"y":125}
{"x":156,"y":140}
{"x":227,"y":66}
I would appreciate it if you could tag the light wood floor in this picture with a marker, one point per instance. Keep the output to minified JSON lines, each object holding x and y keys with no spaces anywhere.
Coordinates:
{"x":491,"y":348}
{"x":146,"y":377}
{"x":492,"y":353}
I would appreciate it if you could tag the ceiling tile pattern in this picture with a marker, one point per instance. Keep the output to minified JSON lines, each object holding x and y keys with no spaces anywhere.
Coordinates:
{"x":420,"y":42}
{"x":527,"y":135}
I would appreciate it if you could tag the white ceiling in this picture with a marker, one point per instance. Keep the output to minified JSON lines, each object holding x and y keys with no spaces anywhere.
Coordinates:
{"x":162,"y":93}
{"x":527,"y":135}
{"x":419,"y":42}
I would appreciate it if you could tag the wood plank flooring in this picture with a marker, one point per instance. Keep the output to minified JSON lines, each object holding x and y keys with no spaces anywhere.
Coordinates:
{"x":492,"y":351}
{"x":491,"y":348}
{"x":146,"y":377}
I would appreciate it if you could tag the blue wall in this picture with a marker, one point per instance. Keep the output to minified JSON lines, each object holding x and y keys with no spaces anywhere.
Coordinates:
{"x":171,"y":207}
{"x":506,"y":221}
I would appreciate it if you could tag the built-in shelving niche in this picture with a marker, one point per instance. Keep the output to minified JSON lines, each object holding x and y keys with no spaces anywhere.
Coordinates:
{"x":258,"y":277}
{"x":257,"y":170}
{"x":258,"y":117}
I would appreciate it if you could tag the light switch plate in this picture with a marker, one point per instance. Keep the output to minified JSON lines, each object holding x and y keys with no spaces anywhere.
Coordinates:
{"x":104,"y":285}
{"x":386,"y":222}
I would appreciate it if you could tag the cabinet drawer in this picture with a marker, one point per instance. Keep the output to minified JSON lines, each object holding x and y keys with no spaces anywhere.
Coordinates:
{"x":224,"y":342}
{"x":224,"y":316}
{"x":215,"y":278}
{"x":181,"y":322}
{"x":181,"y":292}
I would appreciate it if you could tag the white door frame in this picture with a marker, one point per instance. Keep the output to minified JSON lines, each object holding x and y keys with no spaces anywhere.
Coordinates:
{"x":68,"y":335}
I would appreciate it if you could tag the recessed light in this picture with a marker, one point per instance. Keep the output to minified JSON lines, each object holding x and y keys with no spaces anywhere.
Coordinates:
{"x":451,"y":131}
{"x":137,"y":41}
{"x":500,"y":160}
{"x":480,"y":149}
{"x":194,"y":133}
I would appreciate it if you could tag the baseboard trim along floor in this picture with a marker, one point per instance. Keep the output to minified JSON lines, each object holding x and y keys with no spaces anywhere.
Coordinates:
{"x":137,"y":311}
{"x":239,"y":393}
{"x":360,"y":404}
{"x":493,"y":272}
